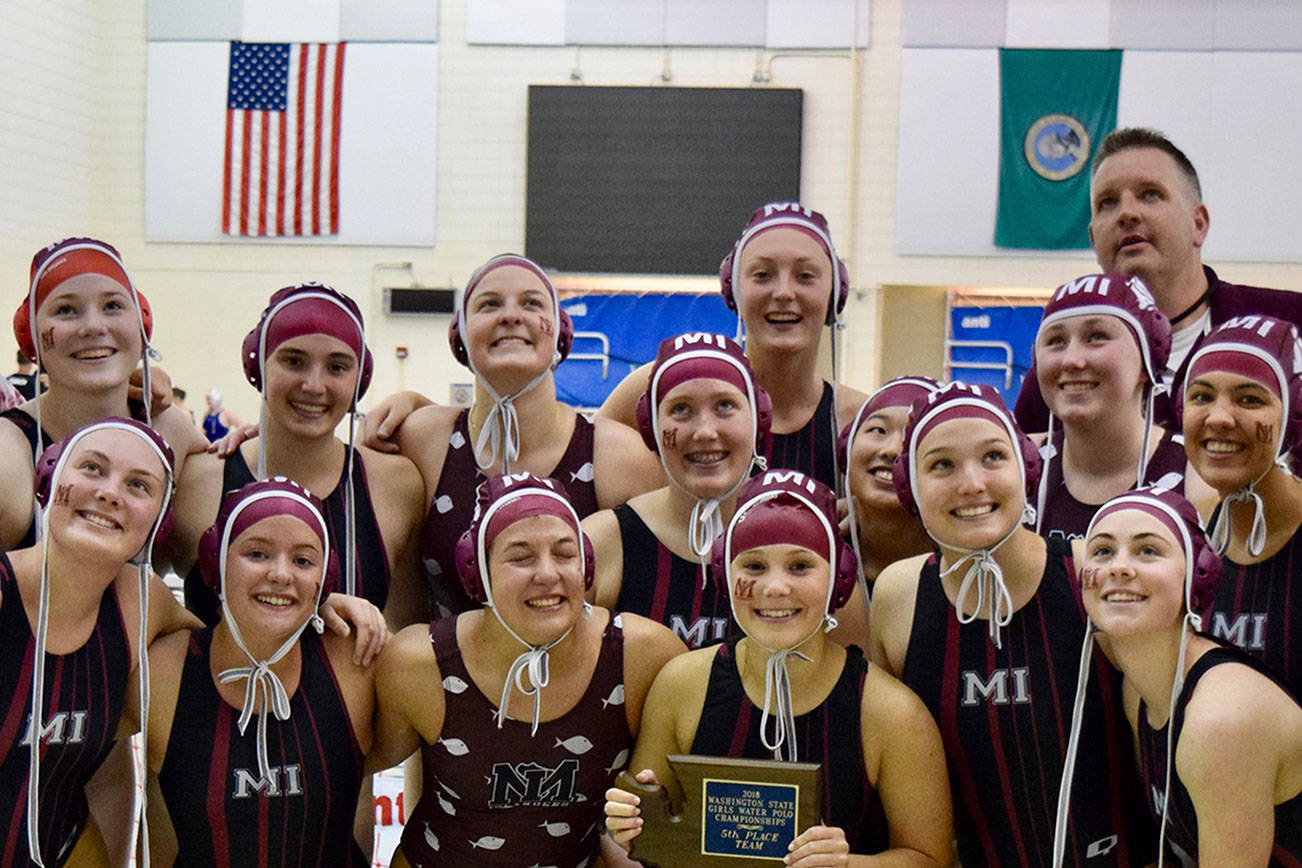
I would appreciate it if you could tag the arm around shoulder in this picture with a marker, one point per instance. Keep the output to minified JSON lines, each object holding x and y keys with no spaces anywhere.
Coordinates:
{"x":409,"y":700}
{"x":423,"y":438}
{"x":181,"y":434}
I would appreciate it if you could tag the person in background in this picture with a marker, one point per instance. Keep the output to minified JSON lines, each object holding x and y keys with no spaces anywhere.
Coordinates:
{"x":25,"y":378}
{"x":178,"y":399}
{"x":785,"y":570}
{"x":535,"y":684}
{"x":1148,"y":220}
{"x":786,"y":283}
{"x":1219,"y":736}
{"x":217,"y":420}
{"x":988,"y":633}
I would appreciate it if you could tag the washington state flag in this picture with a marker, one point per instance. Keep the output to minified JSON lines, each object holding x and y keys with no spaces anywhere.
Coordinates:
{"x":1056,"y":107}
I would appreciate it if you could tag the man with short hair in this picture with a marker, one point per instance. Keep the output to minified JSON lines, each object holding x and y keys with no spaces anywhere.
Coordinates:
{"x":1148,"y":219}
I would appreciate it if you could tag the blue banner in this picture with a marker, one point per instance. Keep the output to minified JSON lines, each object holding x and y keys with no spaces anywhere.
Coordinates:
{"x":617,"y":332}
{"x":993,"y":346}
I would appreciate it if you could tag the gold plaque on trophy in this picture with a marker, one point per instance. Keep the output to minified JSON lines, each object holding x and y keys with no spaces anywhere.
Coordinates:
{"x":732,"y":809}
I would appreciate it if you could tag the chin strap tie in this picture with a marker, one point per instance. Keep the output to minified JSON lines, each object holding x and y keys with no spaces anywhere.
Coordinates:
{"x":530,"y":672}
{"x":777,"y":690}
{"x":500,"y":434}
{"x":705,"y":525}
{"x":1073,"y":745}
{"x":260,"y":676}
{"x":1223,"y":528}
{"x":986,"y":577}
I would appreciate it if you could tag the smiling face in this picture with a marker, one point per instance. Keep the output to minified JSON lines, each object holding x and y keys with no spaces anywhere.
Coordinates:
{"x":510,"y":324}
{"x":88,"y":334}
{"x":969,"y":486}
{"x":108,"y":495}
{"x":1132,"y":581}
{"x":785,"y":285}
{"x":779,"y":593}
{"x":273,"y":571}
{"x":310,"y":381}
{"x":876,"y":444}
{"x":1088,"y":367}
{"x":1145,"y":218}
{"x":1231,"y":428}
{"x":705,"y":435}
{"x":536,"y":575}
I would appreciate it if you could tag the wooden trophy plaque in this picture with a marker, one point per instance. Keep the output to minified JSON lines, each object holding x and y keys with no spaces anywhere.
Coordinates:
{"x":732,"y":809}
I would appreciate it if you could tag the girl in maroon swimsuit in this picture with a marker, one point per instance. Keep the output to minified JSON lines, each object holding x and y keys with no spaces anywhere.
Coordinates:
{"x":1219,"y":737}
{"x":786,"y":691}
{"x":76,"y":613}
{"x":525,"y":709}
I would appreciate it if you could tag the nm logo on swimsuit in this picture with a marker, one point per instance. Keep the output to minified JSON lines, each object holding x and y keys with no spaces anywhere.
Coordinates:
{"x":533,"y":785}
{"x":1057,"y":147}
{"x":283,"y":781}
{"x":57,"y":730}
{"x":995,"y":690}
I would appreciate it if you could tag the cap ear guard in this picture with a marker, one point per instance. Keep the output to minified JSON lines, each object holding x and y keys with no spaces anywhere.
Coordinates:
{"x":210,"y":557}
{"x":564,"y":339}
{"x":467,"y":558}
{"x":644,"y":421}
{"x":1291,"y":436}
{"x":1206,"y":577}
{"x":23,"y":315}
{"x":763,"y":421}
{"x":249,"y":350}
{"x":807,"y":493}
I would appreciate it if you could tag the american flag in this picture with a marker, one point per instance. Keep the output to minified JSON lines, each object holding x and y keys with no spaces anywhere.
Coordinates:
{"x":282,"y":139}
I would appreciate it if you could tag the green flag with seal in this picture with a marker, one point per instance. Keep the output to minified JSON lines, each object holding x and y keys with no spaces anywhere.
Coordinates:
{"x":1055,"y":108}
